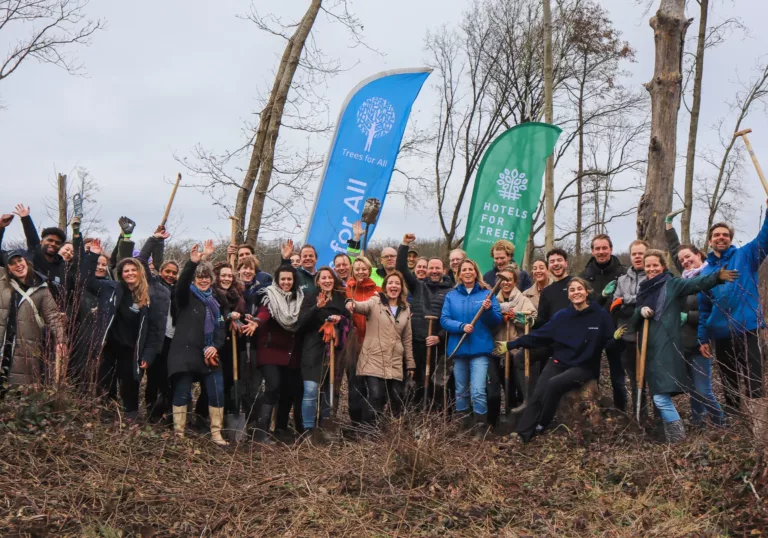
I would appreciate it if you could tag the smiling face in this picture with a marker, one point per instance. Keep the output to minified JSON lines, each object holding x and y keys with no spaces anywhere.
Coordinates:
{"x":420,"y":269}
{"x":51,"y":244}
{"x":308,"y":258}
{"x":361,"y":271}
{"x":601,"y":250}
{"x":343,"y":267}
{"x":325,"y":280}
{"x":242,"y":253}
{"x":540,"y":273}
{"x":653,"y":266}
{"x":688,"y":259}
{"x":636,"y":254}
{"x":388,"y":258}
{"x":295,"y":260}
{"x":435,"y":270}
{"x":577,"y":294}
{"x":226,"y":278}
{"x":247,"y":273}
{"x":130,"y":274}
{"x":393,"y":288}
{"x":67,"y":252}
{"x":285,"y":281}
{"x":720,"y":240}
{"x":101,"y":267}
{"x":18,"y":268}
{"x":501,"y":258}
{"x":507,"y":286}
{"x":558,"y":266}
{"x":170,"y":273}
{"x":455,"y":259}
{"x":412,"y":257}
{"x":467,"y":274}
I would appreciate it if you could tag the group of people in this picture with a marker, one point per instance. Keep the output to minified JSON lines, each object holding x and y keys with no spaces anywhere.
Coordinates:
{"x":404,"y":331}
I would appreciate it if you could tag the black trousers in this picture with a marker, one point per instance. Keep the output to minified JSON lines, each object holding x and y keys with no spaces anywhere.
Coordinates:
{"x":618,"y":381}
{"x":382,"y":392}
{"x":116,"y":368}
{"x":493,"y":388}
{"x":556,"y":380}
{"x":416,"y":396}
{"x":741,"y":368}
{"x":291,"y":393}
{"x":158,"y":383}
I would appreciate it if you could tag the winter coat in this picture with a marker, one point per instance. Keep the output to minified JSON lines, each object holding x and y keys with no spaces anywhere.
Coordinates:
{"x":388,"y":342}
{"x":534,"y":294}
{"x":418,"y":297}
{"x":459,"y":309}
{"x":627,"y":288}
{"x":275,"y":345}
{"x":251,"y":294}
{"x":360,"y":292}
{"x":311,"y":318}
{"x":599,"y":277}
{"x":524,"y":280}
{"x":734,"y":307}
{"x":690,"y":328}
{"x":577,"y":337}
{"x":160,"y":293}
{"x":665,"y":366}
{"x":553,"y":299}
{"x":151,"y":321}
{"x":519,"y":303}
{"x":437,"y":293}
{"x":27,"y":359}
{"x":188,"y":344}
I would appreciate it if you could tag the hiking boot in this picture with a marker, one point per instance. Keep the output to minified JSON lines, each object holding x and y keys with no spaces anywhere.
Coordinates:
{"x":465,"y":420}
{"x":674,"y":432}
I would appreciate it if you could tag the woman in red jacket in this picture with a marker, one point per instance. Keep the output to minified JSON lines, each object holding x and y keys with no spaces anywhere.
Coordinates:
{"x":360,"y":288}
{"x":277,"y":354}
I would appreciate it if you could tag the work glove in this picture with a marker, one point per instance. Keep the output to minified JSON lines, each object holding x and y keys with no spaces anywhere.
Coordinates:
{"x":609,"y":289}
{"x":616,"y":303}
{"x":672,"y":215}
{"x":328,"y":330}
{"x":126,"y":225}
{"x":620,"y":332}
{"x":683,"y":318}
{"x":500,"y":348}
{"x":646,"y":312}
{"x":522,"y":318}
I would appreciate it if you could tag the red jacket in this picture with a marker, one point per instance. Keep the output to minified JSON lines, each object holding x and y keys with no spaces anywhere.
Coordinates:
{"x":361,"y":292}
{"x":274,"y":344}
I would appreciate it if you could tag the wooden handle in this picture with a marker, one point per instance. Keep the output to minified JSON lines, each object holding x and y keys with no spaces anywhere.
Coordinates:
{"x":234,"y":353}
{"x":742,"y":132}
{"x":640,"y":365}
{"x":233,"y":237}
{"x":170,"y":201}
{"x":743,"y":135}
{"x":527,"y":358}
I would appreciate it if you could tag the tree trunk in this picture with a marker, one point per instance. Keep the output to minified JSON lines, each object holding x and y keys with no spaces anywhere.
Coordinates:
{"x":580,"y":169}
{"x":62,"y":187}
{"x":690,"y":157}
{"x":288,"y":66}
{"x":669,"y":26}
{"x":549,"y":175}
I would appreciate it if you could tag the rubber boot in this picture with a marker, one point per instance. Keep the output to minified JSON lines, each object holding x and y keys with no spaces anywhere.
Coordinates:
{"x":481,"y":427}
{"x":465,"y":420}
{"x":179,"y":419}
{"x":217,"y":421}
{"x":674,"y":432}
{"x":262,"y":425}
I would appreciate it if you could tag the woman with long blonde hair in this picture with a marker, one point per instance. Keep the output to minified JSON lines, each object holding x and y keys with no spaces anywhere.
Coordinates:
{"x":132,"y":331}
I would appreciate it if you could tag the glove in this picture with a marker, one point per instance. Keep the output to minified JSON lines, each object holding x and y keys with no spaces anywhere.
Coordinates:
{"x":646,"y":312}
{"x":328,"y":331}
{"x":126,"y":225}
{"x":522,"y":318}
{"x":508,"y":316}
{"x":609,"y":289}
{"x":672,"y":216}
{"x":620,"y":332}
{"x":683,"y":318}
{"x":500,"y":348}
{"x":616,"y":303}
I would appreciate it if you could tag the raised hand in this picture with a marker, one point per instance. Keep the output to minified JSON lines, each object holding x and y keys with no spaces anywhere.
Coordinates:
{"x":126,"y":225}
{"x":286,"y":249}
{"x":22,"y":211}
{"x":672,"y":215}
{"x":95,"y":246}
{"x":207,"y":249}
{"x":194,"y":254}
{"x":409,"y":238}
{"x":162,"y":235}
{"x":357,"y":230}
{"x":76,"y":223}
{"x":5,"y":220}
{"x":322,"y":300}
{"x":160,"y":228}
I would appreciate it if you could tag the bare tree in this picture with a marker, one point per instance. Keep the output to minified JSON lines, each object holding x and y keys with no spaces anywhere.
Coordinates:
{"x":669,"y":25}
{"x":52,"y":28}
{"x":59,"y":209}
{"x":549,"y":173}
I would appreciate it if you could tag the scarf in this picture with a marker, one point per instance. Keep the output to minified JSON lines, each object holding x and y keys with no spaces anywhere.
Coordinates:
{"x":233,"y":297}
{"x":690,"y":273}
{"x":653,"y":294}
{"x":211,"y":312}
{"x":282,"y":306}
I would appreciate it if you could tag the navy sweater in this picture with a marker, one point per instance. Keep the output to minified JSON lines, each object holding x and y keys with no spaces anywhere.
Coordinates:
{"x":578,"y":337}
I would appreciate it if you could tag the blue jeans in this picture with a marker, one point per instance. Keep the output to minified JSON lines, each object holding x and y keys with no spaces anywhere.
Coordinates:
{"x":214,"y":387}
{"x":309,"y":404}
{"x":703,"y":399}
{"x":666,"y":407}
{"x":471,"y":375}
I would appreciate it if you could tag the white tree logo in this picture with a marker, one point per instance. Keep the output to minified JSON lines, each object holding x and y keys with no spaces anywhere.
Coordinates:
{"x":511,"y":183}
{"x":375,"y":118}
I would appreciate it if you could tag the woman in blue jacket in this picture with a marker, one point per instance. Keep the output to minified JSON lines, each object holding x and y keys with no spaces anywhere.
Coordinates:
{"x":578,"y":335}
{"x":470,"y":368}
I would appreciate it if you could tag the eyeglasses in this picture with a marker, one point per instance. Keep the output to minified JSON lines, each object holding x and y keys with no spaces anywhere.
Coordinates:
{"x":389,"y":256}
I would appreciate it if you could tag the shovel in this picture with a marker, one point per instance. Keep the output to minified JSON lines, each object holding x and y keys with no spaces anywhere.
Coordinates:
{"x":640,"y":368}
{"x":236,"y":421}
{"x":527,"y":354}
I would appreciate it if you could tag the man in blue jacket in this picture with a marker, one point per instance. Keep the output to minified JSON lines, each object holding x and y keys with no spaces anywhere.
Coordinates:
{"x":731,"y":315}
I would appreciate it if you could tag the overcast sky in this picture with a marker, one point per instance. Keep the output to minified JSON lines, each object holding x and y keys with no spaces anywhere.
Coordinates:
{"x":165,"y":76}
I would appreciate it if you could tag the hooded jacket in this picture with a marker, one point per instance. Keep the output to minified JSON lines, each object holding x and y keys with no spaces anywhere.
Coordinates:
{"x":459,"y":308}
{"x":627,"y":288}
{"x":735,"y":307}
{"x":577,"y":337}
{"x":419,"y":296}
{"x":388,"y":344}
{"x":600,"y":276}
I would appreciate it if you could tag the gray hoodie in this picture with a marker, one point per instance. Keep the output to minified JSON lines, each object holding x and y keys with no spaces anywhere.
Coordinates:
{"x":627,"y":287}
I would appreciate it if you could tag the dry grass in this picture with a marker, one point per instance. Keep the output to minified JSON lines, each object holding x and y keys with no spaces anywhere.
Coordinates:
{"x":66,"y":474}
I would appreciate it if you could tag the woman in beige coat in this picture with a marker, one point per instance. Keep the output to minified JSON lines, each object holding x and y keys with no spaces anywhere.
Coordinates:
{"x":387,"y":346}
{"x":541,"y":279}
{"x":26,"y":308}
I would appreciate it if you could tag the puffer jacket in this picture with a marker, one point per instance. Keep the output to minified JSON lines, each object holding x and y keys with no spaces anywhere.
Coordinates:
{"x":27,"y":359}
{"x":360,"y":292}
{"x":734,"y":307}
{"x":627,"y":287}
{"x":518,"y":303}
{"x":599,"y":277}
{"x":418,"y":297}
{"x":459,"y":309}
{"x":388,"y":342}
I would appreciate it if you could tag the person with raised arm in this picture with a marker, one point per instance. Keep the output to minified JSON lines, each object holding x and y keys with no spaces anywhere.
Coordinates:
{"x":306,"y":270}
